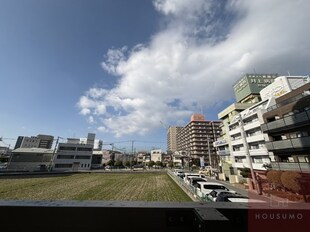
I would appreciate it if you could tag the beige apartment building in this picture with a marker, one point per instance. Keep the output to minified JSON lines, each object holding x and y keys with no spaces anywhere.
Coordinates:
{"x":172,"y":138}
{"x":196,"y":139}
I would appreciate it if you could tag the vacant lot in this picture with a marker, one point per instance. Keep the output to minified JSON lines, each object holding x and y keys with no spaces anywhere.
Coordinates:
{"x":93,"y":186}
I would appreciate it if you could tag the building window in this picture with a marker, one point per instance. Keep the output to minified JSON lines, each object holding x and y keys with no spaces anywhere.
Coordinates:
{"x":66,"y":148}
{"x":65,"y":156}
{"x":82,"y":157}
{"x":63,"y":165}
{"x":84,"y":149}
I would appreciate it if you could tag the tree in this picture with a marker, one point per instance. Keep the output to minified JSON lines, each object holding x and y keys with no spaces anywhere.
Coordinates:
{"x":170,"y":164}
{"x":159,"y":163}
{"x":274,"y":177}
{"x":111,"y":163}
{"x":151,"y":163}
{"x":118,"y":163}
{"x":133,"y":162}
{"x":290,"y":181}
{"x":245,"y":172}
{"x":127,"y":164}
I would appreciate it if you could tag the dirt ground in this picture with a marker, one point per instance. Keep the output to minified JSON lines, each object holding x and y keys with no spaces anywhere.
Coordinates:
{"x":93,"y":186}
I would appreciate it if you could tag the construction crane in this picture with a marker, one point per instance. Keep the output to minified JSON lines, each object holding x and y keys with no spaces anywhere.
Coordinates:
{"x":164,"y":125}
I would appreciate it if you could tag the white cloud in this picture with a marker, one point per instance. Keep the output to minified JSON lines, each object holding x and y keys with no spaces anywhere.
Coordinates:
{"x":91,"y":120}
{"x":194,"y":61}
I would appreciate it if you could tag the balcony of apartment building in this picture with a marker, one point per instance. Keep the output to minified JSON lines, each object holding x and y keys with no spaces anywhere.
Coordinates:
{"x":223,"y":152}
{"x":255,"y":137}
{"x":199,"y":144}
{"x":198,"y":136}
{"x":291,"y":166}
{"x":238,"y":150}
{"x":291,"y":120}
{"x":234,"y":129}
{"x":243,"y":163}
{"x":254,"y":150}
{"x":290,"y":144}
{"x":236,"y":140}
{"x":252,"y":124}
{"x":220,"y":142}
{"x":258,"y":149}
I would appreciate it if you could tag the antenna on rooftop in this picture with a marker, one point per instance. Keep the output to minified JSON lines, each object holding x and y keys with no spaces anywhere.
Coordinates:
{"x":288,"y":73}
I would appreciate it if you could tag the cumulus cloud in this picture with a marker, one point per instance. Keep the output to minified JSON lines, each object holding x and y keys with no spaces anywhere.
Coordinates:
{"x":193,"y":62}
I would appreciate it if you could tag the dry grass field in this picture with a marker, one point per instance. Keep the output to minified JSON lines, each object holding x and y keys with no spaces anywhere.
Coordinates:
{"x":93,"y":186}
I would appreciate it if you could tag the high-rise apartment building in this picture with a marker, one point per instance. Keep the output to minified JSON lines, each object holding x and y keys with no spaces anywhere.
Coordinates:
{"x":197,"y":137}
{"x":172,"y":138}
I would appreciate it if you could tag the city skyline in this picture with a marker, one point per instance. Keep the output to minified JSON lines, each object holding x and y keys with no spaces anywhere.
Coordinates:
{"x":120,"y":68}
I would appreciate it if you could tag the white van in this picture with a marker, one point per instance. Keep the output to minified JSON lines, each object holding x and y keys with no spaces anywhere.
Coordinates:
{"x":187,"y":175}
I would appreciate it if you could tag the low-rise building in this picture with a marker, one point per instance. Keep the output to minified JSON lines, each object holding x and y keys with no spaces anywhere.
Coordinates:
{"x":30,"y":159}
{"x":39,"y":141}
{"x":156,"y":155}
{"x":177,"y":159}
{"x":74,"y":155}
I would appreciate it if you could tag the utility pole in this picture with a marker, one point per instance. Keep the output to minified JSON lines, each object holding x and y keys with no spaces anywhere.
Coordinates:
{"x":247,"y":153}
{"x":132,"y":142}
{"x":54,"y":151}
{"x":209,"y":152}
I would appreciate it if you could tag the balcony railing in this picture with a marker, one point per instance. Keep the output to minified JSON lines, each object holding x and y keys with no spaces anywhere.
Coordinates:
{"x":255,"y":138}
{"x":293,"y":166}
{"x":223,"y":152}
{"x":234,"y":131}
{"x":252,"y":125}
{"x":294,"y":143}
{"x":298,"y":119}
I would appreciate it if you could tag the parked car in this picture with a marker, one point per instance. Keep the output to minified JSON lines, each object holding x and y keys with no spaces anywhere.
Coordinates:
{"x":230,"y":196}
{"x":175,"y":171}
{"x":204,"y":188}
{"x":188,"y":175}
{"x":41,"y":168}
{"x":194,"y":180}
{"x":96,"y":166}
{"x":180,"y":174}
{"x":222,"y":195}
{"x":137,"y":168}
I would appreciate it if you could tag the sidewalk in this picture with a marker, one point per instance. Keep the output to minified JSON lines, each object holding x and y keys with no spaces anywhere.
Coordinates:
{"x":252,"y":194}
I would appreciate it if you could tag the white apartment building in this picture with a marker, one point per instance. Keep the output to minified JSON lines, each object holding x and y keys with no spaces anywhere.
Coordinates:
{"x":74,"y":155}
{"x":177,"y":159}
{"x":156,"y":155}
{"x":250,"y":121}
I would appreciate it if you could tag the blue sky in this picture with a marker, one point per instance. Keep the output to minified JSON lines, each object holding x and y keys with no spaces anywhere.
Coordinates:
{"x":118,"y":68}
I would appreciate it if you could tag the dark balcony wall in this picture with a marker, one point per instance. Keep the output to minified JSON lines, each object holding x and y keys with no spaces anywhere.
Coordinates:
{"x":290,"y":107}
{"x":293,"y":93}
